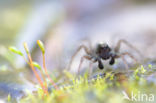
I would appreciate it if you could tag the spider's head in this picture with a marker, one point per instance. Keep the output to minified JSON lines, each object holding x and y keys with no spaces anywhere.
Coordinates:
{"x":103,"y":50}
{"x":102,"y":46}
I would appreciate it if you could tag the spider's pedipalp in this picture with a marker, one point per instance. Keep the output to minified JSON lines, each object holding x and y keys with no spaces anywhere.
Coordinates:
{"x":112,"y":61}
{"x":100,"y":64}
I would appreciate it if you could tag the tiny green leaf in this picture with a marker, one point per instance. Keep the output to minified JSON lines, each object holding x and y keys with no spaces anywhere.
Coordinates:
{"x":41,"y":45}
{"x":15,"y":50}
{"x":37,"y":65}
{"x":26,"y":47}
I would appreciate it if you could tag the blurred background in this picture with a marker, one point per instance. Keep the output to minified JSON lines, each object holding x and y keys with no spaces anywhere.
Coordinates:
{"x":64,"y":25}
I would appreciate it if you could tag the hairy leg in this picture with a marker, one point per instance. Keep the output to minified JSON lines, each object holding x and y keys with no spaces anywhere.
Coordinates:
{"x":117,"y":48}
{"x":131,"y":56}
{"x":90,"y":68}
{"x":89,"y":43}
{"x":122,"y":56}
{"x":77,"y":51}
{"x":125,"y":62}
{"x":81,"y":61}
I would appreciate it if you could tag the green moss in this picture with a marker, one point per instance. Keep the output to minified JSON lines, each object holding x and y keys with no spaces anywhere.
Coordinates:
{"x":99,"y":90}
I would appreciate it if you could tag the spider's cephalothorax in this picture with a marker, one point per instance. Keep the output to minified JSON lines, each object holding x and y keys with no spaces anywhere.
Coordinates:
{"x":104,"y":52}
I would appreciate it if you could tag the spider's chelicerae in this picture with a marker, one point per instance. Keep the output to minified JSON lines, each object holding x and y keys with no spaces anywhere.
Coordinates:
{"x":103,"y":52}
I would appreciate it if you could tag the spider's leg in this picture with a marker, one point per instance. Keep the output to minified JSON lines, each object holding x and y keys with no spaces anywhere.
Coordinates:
{"x":81,"y":61}
{"x":122,"y":55}
{"x":131,"y":56}
{"x":89,"y":43}
{"x":81,"y":47}
{"x":125,"y":62}
{"x":90,"y":68}
{"x":128,"y":44}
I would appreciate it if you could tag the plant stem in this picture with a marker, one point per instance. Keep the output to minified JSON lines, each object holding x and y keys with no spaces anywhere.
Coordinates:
{"x":37,"y":75}
{"x":45,"y":69}
{"x":44,"y":79}
{"x":42,"y":74}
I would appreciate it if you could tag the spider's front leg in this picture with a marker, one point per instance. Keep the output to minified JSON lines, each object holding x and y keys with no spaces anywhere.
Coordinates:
{"x":81,"y":47}
{"x":117,"y":47}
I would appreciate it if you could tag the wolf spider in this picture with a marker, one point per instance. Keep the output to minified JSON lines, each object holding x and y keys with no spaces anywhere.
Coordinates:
{"x":103,"y":52}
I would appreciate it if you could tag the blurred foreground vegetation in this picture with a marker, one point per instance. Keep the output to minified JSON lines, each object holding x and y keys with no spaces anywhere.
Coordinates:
{"x":107,"y":89}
